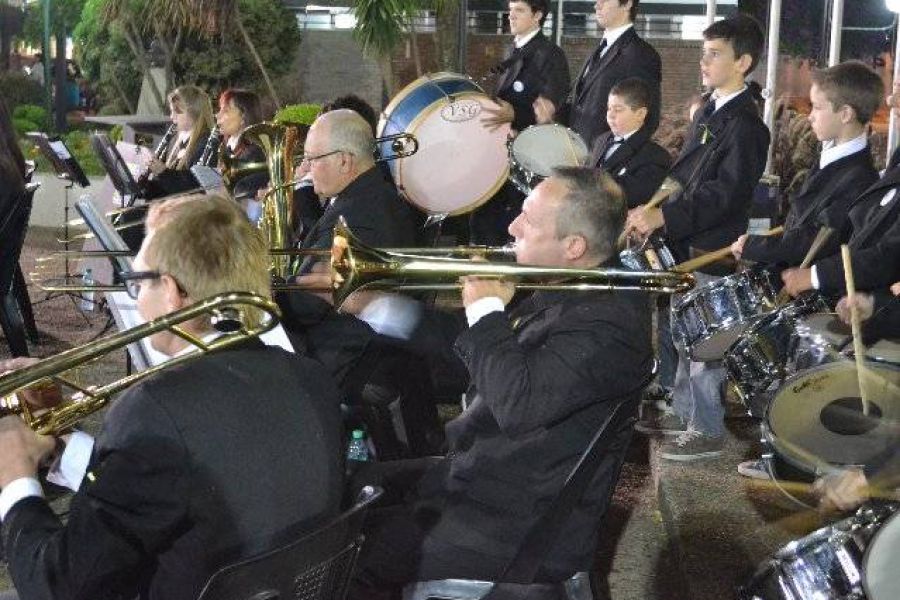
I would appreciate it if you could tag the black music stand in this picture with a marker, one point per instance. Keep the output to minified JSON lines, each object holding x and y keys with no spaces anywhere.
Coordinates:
{"x":67,"y":168}
{"x":115,"y":167}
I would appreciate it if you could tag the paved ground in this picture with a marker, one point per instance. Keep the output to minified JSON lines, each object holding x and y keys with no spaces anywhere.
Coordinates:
{"x":673,"y":531}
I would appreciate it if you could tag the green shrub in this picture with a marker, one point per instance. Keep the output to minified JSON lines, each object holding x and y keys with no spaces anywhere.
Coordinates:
{"x":17,"y":88}
{"x":298,"y":113}
{"x":35,"y":114}
{"x":23,"y":126}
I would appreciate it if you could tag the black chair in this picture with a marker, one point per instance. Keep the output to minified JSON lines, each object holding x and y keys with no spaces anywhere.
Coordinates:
{"x":517,"y":580}
{"x":317,"y":566}
{"x":12,"y":238}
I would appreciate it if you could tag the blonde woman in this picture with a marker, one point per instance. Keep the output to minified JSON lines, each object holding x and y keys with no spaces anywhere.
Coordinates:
{"x":191,"y":114}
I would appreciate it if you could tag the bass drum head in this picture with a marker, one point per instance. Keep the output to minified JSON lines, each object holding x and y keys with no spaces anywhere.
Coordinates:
{"x":541,"y":148}
{"x":816,"y":416}
{"x":460,"y":163}
{"x":881,"y":575}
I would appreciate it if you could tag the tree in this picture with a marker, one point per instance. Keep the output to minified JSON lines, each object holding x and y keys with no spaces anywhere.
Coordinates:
{"x":64,"y":16}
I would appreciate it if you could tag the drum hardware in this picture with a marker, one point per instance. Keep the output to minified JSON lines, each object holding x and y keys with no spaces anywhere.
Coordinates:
{"x":716,"y":255}
{"x":239,"y":315}
{"x":460,"y":164}
{"x":708,"y":320}
{"x":534,"y":153}
{"x":853,"y":559}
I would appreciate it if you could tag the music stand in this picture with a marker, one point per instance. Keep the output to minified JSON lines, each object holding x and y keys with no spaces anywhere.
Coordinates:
{"x":67,"y":168}
{"x":116,"y":168}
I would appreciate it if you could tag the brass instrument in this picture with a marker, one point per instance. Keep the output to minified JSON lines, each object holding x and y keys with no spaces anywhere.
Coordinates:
{"x":160,"y":152}
{"x":227,"y":313}
{"x":355,"y":266}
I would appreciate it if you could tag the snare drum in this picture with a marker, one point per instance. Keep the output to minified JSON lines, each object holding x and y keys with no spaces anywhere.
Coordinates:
{"x":651,"y":255}
{"x":541,"y":148}
{"x":816,"y":416}
{"x":797,"y":336}
{"x":853,"y":559}
{"x":460,"y":163}
{"x":707,"y":320}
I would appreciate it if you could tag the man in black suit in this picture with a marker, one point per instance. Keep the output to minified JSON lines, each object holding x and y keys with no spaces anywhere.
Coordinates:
{"x":638,"y":164}
{"x":844,"y":99}
{"x":620,"y":54}
{"x":200,"y":465}
{"x":535,"y":72}
{"x":541,"y":386}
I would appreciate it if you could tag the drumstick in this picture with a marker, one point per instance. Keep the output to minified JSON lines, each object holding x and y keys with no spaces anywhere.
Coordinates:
{"x":668,"y":187}
{"x":858,"y":349}
{"x":819,"y":241}
{"x":716,"y":255}
{"x":872,"y":491}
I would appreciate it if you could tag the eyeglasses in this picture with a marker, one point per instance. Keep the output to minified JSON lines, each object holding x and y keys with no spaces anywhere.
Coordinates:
{"x":133,"y":281}
{"x":310,"y":159}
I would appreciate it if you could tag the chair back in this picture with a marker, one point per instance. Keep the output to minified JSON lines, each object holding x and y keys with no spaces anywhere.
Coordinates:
{"x":318,"y":566}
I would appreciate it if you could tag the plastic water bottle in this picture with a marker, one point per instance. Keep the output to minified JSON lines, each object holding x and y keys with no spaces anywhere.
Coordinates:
{"x":357,"y":450}
{"x":87,"y":297}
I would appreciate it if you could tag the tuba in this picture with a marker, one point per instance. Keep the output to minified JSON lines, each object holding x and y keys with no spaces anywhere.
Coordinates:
{"x":237,"y":315}
{"x":278,"y":141}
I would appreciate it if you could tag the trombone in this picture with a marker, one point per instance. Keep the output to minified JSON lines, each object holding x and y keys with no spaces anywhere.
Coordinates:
{"x":228,"y":314}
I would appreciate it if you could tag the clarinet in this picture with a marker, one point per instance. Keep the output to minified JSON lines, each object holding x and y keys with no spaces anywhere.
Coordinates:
{"x":211,"y":150}
{"x":160,"y":151}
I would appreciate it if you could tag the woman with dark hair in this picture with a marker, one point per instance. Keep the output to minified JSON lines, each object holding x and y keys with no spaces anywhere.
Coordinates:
{"x":238,"y":109}
{"x":12,"y":166}
{"x":169,"y":171}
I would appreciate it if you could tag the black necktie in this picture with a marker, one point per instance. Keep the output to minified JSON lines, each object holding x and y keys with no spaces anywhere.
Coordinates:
{"x":612,"y":144}
{"x":595,"y":58}
{"x":707,"y":111}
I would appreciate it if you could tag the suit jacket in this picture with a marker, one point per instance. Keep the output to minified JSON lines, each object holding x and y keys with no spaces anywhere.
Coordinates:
{"x":630,"y":56}
{"x":543,"y":386}
{"x":639,"y":165}
{"x":885,"y":321}
{"x":374,"y":212}
{"x":198,"y":466}
{"x":539,"y":68}
{"x":824,"y":199}
{"x":875,"y":238}
{"x":718,"y":178}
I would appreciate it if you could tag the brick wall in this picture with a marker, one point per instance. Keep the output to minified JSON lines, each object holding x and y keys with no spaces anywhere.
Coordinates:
{"x":331,"y":64}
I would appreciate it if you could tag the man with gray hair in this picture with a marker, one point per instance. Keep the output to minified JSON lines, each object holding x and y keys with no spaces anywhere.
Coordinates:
{"x":544,"y":377}
{"x":339,"y":153}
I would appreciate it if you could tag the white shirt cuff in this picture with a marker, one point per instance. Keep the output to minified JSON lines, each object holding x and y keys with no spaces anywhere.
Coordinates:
{"x":814,"y":277}
{"x":482,"y":307}
{"x":19,"y":489}
{"x":68,"y":470}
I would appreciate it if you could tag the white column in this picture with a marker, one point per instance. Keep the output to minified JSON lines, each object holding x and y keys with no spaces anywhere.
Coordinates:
{"x":892,"y":122}
{"x":559,"y":22}
{"x":772,"y":59}
{"x":710,"y":12}
{"x":837,"y":20}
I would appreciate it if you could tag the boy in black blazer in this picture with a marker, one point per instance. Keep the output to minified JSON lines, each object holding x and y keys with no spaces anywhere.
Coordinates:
{"x":844,"y":98}
{"x":718,"y":169}
{"x":636,"y":163}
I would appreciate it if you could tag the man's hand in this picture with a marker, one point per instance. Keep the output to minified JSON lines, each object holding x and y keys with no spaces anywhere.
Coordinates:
{"x":475,"y":288}
{"x":495,"y":117}
{"x":797,"y":281}
{"x":864,"y":303}
{"x":737,"y":247}
{"x":644,"y":221}
{"x":544,"y":110}
{"x":21,"y":450}
{"x":844,"y":490}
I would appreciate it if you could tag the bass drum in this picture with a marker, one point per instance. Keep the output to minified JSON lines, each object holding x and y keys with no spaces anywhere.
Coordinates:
{"x":460,"y":163}
{"x":854,"y":559}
